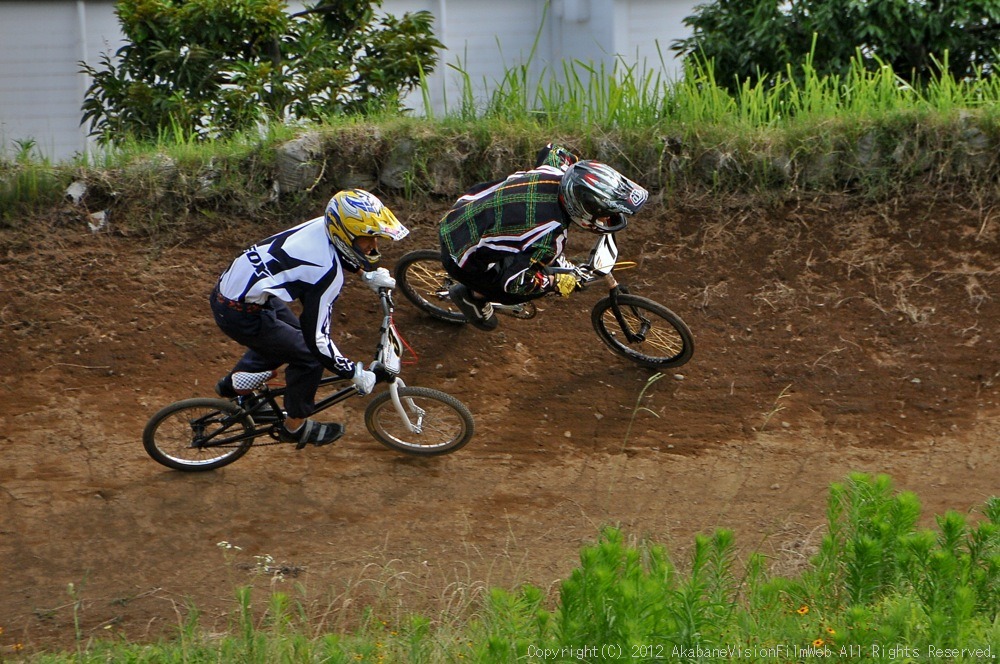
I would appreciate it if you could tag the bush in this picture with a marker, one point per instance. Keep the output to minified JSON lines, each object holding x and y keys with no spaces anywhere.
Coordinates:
{"x":209,"y":68}
{"x":751,"y":41}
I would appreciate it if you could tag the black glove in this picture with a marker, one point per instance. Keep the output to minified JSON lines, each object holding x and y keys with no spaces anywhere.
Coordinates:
{"x":382,"y":375}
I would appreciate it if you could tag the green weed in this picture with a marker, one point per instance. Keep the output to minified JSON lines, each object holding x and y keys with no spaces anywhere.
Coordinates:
{"x":879,"y":582}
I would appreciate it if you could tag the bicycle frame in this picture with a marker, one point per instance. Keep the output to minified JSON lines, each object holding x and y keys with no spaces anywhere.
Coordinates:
{"x":634,"y":327}
{"x":388,"y":353}
{"x":600,"y":266}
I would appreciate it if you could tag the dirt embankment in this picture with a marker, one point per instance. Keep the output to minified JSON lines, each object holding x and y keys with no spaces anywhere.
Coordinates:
{"x":830,"y":338}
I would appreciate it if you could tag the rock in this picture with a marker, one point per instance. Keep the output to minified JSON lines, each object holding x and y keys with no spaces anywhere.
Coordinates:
{"x":300,"y":163}
{"x":98,"y":221}
{"x":76,"y":191}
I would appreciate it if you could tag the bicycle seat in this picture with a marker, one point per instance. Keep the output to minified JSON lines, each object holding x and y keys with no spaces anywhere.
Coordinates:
{"x":245,"y":381}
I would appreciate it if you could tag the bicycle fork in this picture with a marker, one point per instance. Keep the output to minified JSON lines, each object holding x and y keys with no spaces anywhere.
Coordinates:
{"x":418,"y":426}
{"x":644,"y":325}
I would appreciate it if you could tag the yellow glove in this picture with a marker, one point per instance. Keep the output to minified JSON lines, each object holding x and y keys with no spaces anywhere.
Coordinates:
{"x":565,"y":283}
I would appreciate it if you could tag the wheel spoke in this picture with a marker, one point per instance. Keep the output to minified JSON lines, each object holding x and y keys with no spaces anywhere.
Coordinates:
{"x":423,"y":280}
{"x":198,"y":434}
{"x":443,"y":423}
{"x":661,"y":339}
{"x":666,"y":340}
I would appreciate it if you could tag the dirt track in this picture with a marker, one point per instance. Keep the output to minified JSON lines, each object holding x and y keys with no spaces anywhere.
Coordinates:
{"x":829,"y":339}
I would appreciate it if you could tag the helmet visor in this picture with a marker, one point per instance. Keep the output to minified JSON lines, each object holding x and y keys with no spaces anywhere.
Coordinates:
{"x":610,"y":224}
{"x":601,"y":218}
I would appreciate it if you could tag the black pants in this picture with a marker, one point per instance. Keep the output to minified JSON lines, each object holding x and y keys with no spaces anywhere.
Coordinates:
{"x":487,"y":282}
{"x":273,"y":337}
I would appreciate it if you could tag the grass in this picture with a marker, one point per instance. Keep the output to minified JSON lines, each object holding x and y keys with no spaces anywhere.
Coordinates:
{"x":880,"y":587}
{"x":26,"y":177}
{"x":788,"y":136}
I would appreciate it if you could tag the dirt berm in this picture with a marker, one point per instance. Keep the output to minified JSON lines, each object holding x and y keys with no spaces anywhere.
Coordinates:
{"x":830,"y":337}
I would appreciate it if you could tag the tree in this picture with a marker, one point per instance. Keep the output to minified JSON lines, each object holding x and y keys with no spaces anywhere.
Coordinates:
{"x":754,"y":39}
{"x":208,"y":68}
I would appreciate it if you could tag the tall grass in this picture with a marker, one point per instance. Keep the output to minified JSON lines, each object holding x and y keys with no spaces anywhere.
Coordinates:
{"x":799,"y":131}
{"x":630,"y":95}
{"x":26,"y":177}
{"x":879,"y":587}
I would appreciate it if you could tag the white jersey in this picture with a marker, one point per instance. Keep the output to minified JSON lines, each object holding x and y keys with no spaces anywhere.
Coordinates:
{"x":296,"y":264}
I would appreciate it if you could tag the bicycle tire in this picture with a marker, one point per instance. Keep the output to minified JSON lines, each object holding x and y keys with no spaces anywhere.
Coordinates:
{"x":668,"y":343}
{"x":169,"y":435}
{"x":447,"y":424}
{"x":425,"y":283}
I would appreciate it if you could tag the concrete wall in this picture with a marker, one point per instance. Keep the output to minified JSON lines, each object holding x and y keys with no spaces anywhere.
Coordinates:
{"x":42,"y":89}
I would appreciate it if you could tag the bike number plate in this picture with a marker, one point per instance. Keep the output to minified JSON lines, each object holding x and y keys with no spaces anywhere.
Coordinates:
{"x":392,"y":350}
{"x":604,"y":254}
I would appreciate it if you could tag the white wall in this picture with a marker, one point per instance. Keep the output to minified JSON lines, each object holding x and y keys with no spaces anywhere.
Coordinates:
{"x":42,"y":41}
{"x":485,"y":38}
{"x":41,"y":89}
{"x":646,"y":29}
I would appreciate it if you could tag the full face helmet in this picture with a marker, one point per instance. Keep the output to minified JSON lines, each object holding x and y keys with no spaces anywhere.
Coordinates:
{"x":355,"y":213}
{"x":599,"y":198}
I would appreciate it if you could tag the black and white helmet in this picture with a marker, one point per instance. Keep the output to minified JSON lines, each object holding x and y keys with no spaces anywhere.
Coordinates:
{"x":598,"y":197}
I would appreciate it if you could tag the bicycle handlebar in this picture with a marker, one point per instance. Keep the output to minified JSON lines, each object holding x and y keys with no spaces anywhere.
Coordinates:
{"x":385,"y":297}
{"x":583,"y":273}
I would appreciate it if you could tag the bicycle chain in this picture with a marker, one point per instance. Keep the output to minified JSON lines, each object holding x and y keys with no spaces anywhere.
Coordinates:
{"x":273,"y":433}
{"x":273,"y":442}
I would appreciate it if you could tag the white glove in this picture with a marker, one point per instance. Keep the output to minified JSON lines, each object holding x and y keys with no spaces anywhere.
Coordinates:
{"x":363,"y":379}
{"x":378,"y":279}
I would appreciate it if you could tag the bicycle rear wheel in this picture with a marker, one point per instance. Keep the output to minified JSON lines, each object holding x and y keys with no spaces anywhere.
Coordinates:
{"x":666,"y":340}
{"x":444,"y":423}
{"x":424,"y":282}
{"x":198,"y":434}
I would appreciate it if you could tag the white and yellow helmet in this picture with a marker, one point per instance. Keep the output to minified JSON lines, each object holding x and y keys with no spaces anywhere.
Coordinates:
{"x":354,"y":213}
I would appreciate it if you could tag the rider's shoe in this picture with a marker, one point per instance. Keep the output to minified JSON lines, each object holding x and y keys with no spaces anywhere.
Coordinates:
{"x":312,"y":433}
{"x":227,"y":389}
{"x":224,"y":388}
{"x":477,"y":311}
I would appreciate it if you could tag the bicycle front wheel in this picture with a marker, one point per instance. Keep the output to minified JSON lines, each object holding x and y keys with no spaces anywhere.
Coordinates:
{"x":443,"y":424}
{"x":424,"y":282}
{"x":664,"y":340}
{"x":198,"y":434}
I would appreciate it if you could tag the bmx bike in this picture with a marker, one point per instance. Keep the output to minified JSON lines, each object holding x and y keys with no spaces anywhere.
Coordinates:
{"x":207,"y":433}
{"x":633,"y":327}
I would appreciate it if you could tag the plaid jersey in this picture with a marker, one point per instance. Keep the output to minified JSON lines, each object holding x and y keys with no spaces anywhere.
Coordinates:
{"x":511,"y":226}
